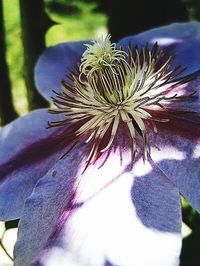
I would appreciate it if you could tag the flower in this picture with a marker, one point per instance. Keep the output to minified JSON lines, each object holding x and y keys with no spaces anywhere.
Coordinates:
{"x":101,"y":185}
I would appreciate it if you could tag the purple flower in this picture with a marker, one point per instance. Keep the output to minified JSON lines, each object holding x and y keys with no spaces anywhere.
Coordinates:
{"x":102,"y":185}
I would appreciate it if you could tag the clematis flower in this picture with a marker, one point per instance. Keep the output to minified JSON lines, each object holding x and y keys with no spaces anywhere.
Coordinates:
{"x":97,"y":180}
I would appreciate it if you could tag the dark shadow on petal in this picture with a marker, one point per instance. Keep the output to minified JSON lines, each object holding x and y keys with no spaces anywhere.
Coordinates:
{"x":150,"y":205}
{"x":157,"y":202}
{"x":185,"y":175}
{"x":155,"y":196}
{"x":108,"y":263}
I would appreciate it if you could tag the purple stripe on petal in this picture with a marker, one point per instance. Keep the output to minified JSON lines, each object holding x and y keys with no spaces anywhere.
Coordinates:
{"x":54,"y":64}
{"x":56,"y":143}
{"x":102,"y":224}
{"x":51,"y":198}
{"x":182,"y":39}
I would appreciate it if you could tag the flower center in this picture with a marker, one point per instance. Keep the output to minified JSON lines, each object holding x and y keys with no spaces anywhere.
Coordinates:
{"x":112,"y":88}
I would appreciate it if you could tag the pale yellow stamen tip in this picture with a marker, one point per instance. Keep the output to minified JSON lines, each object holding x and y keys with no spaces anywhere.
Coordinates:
{"x":100,"y":54}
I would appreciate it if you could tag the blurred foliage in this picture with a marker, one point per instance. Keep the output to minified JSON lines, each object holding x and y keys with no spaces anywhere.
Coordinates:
{"x":14,"y":54}
{"x":193,"y":7}
{"x":75,"y":20}
{"x":190,"y":255}
{"x":7,"y":110}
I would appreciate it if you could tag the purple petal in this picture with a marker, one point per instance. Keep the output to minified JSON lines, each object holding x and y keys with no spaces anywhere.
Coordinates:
{"x":54,"y":64}
{"x":112,"y":218}
{"x":183,"y":39}
{"x":27,"y":150}
{"x":177,"y":154}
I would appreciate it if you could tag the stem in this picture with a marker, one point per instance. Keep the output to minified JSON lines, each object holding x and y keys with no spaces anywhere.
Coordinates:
{"x":7,"y":111}
{"x":34,"y":23}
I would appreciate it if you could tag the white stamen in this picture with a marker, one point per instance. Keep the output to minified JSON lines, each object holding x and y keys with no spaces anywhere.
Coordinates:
{"x":114,"y":87}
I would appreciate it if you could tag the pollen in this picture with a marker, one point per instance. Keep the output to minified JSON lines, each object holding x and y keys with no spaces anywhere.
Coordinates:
{"x":118,"y":89}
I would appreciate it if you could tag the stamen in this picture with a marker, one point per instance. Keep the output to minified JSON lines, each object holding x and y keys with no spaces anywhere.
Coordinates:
{"x":113,"y":89}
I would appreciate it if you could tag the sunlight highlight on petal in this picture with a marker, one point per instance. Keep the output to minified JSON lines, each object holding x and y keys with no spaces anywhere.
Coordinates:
{"x":94,"y":238}
{"x":196,"y":152}
{"x":165,"y":41}
{"x":167,"y":152}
